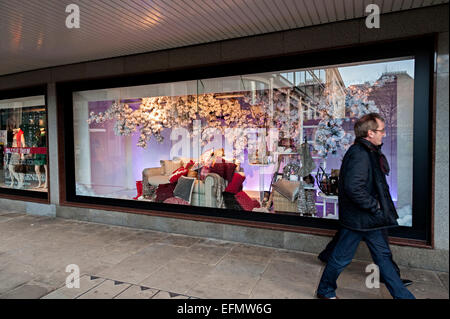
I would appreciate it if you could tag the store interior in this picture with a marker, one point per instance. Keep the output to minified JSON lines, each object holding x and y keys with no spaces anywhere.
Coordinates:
{"x":263,"y":143}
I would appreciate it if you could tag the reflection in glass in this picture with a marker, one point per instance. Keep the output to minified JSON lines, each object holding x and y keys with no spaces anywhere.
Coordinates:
{"x":23,"y":144}
{"x":261,"y":142}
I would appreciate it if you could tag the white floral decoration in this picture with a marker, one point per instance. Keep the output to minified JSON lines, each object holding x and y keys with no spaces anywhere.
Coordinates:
{"x":330,"y":137}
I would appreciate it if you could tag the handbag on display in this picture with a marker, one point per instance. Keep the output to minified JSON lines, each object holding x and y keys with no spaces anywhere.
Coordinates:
{"x":327,"y":184}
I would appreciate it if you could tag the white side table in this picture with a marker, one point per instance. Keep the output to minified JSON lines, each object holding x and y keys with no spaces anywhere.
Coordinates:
{"x":329,"y":199}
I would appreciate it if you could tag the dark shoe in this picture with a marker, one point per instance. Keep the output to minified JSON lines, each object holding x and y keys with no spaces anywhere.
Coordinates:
{"x":323,"y":297}
{"x":407,"y":282}
{"x":322,"y":259}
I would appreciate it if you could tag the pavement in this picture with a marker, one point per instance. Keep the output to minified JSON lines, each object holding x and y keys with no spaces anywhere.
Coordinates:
{"x":118,"y":262}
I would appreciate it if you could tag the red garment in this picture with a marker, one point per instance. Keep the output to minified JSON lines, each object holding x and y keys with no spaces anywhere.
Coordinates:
{"x":19,"y":138}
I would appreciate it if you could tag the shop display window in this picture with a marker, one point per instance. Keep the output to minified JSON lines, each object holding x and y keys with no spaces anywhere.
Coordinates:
{"x":267,"y":143}
{"x":23,"y":145}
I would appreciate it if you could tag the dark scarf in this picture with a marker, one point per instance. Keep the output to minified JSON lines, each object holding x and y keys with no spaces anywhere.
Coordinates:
{"x":384,"y":165}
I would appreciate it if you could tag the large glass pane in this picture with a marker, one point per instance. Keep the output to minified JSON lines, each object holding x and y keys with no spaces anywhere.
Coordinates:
{"x":268,"y":143}
{"x":23,"y":144}
{"x":295,"y":132}
{"x":130,"y":140}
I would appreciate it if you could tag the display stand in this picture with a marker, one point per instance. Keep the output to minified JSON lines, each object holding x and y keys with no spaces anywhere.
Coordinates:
{"x":325,"y":199}
{"x":277,"y":173}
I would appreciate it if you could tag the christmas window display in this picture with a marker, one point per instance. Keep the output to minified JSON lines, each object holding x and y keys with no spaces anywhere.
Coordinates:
{"x":23,"y":144}
{"x":293,"y":125}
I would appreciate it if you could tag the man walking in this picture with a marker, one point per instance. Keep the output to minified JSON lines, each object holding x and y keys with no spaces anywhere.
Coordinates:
{"x":365,"y":209}
{"x":326,"y":253}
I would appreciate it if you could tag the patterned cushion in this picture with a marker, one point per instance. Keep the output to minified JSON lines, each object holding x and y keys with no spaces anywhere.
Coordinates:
{"x":184,"y":188}
{"x":288,"y":189}
{"x":164,"y":191}
{"x":177,"y":174}
{"x":176,"y":200}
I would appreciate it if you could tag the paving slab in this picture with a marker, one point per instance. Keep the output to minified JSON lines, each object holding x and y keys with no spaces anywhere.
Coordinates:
{"x":235,"y":275}
{"x":113,"y":234}
{"x":298,"y":273}
{"x":86,"y":284}
{"x":14,"y":275}
{"x":217,"y":243}
{"x":422,"y":290}
{"x":139,"y":266}
{"x":178,"y":276}
{"x":356,"y":281}
{"x":267,"y":288}
{"x":213,"y":292}
{"x":12,"y":214}
{"x":297,"y":257}
{"x":151,"y":236}
{"x":252,"y":252}
{"x":348,"y":293}
{"x":180,"y":240}
{"x":106,"y":290}
{"x":4,"y":218}
{"x":420,"y":275}
{"x":137,"y":292}
{"x":443,"y":276}
{"x":205,"y":254}
{"x":52,"y":278}
{"x":239,"y":266}
{"x":114,"y":253}
{"x":26,"y":292}
{"x":169,"y":295}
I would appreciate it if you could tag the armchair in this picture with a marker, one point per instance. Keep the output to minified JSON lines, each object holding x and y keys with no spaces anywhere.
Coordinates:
{"x":206,"y":193}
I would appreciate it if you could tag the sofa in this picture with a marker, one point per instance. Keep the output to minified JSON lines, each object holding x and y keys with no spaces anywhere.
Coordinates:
{"x":206,"y":193}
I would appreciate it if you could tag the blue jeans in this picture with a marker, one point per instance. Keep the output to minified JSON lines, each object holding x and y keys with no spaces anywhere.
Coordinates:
{"x":343,"y":253}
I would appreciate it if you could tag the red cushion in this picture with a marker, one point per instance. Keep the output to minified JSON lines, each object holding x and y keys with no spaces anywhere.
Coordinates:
{"x":226,"y":170}
{"x":246,"y":202}
{"x":176,"y":174}
{"x":176,"y":200}
{"x":236,"y":184}
{"x":164,"y":191}
{"x":189,"y":165}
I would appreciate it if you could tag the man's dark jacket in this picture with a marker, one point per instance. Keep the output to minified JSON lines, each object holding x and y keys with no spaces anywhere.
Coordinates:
{"x":364,"y":199}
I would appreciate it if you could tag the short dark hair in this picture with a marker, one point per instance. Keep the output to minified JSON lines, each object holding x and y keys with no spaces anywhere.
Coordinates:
{"x":366,"y":123}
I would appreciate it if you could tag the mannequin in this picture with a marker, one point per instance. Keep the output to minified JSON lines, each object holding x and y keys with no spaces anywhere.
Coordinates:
{"x":41,"y":160}
{"x":18,"y":141}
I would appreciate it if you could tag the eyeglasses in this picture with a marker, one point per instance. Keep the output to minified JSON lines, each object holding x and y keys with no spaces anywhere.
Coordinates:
{"x":382,"y":131}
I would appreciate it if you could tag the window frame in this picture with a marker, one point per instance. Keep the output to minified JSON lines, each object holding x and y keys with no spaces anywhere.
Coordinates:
{"x":421,"y":48}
